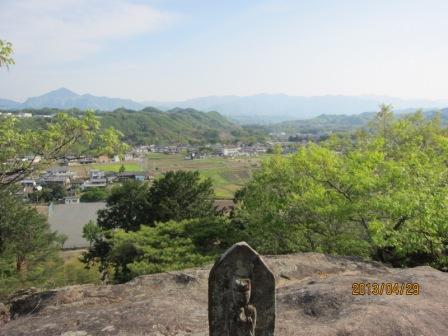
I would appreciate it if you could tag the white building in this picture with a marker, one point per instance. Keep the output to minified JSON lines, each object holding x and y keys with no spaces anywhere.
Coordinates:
{"x":231,"y":151}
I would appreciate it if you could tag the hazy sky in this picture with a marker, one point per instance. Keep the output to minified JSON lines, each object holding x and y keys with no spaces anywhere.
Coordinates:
{"x":178,"y":49}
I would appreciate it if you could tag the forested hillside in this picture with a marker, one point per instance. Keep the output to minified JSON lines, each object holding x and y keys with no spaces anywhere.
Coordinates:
{"x":340,"y":123}
{"x":153,"y":126}
{"x":175,"y":126}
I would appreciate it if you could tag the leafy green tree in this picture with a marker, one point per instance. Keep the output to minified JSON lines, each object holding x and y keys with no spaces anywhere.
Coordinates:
{"x":94,"y":195}
{"x":132,"y":207}
{"x":91,"y":232}
{"x":127,"y":207}
{"x":48,"y":194}
{"x":6,"y":54}
{"x":122,"y":169}
{"x":26,"y":242}
{"x":378,"y":195}
{"x":166,"y":246}
{"x":180,"y":195}
{"x":48,"y":144}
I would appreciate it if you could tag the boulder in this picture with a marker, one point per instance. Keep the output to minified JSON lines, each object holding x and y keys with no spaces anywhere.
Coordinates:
{"x":313,"y":294}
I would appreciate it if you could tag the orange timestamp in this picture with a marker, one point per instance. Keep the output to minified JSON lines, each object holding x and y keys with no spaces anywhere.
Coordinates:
{"x":385,"y":288}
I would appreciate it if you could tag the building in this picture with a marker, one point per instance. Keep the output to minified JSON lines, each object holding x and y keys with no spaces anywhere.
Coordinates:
{"x":231,"y":151}
{"x":57,"y":180}
{"x":24,"y":115}
{"x":70,"y":219}
{"x":28,"y":185}
{"x":71,"y":200}
{"x":87,"y":160}
{"x":136,"y":176}
{"x":61,"y":171}
{"x":97,"y":179}
{"x":96,"y":174}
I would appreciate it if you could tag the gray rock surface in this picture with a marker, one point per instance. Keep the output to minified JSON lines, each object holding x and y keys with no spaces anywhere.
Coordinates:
{"x":313,"y":292}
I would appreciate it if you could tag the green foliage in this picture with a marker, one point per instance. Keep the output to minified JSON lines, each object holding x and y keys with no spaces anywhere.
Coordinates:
{"x":180,"y":195}
{"x":164,"y":247}
{"x":64,"y":134}
{"x":127,"y":207}
{"x":26,"y":242}
{"x":177,"y":126}
{"x":153,"y":126}
{"x":51,"y":273}
{"x":6,"y":54}
{"x":324,"y":123}
{"x":134,"y":207}
{"x":48,"y":194}
{"x":91,"y":231}
{"x":175,"y":196}
{"x":94,"y":195}
{"x":379,"y":195}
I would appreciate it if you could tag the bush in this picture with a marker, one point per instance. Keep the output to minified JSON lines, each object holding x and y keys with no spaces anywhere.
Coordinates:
{"x":94,"y":195}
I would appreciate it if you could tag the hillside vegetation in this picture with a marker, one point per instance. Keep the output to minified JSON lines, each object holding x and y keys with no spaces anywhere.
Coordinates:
{"x":326,"y":123}
{"x":153,"y":126}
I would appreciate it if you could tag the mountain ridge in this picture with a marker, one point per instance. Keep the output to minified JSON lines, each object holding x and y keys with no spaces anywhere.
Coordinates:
{"x":260,"y":108}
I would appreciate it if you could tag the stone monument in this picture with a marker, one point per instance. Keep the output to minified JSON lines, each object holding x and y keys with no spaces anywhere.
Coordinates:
{"x":241,"y":294}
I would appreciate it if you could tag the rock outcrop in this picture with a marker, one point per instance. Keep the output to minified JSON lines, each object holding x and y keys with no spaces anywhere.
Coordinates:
{"x":314,"y":298}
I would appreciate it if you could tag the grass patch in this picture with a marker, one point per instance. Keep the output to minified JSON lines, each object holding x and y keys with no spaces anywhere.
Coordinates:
{"x":228,"y":174}
{"x":115,"y":167}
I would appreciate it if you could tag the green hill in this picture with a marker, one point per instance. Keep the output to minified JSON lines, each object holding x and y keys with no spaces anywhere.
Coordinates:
{"x":323,"y":123}
{"x":153,"y":126}
{"x":175,"y":126}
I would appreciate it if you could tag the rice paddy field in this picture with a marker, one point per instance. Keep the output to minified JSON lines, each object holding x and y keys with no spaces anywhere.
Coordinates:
{"x":228,"y":174}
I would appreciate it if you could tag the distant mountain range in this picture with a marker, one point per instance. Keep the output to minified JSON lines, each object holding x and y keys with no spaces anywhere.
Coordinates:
{"x":65,"y":99}
{"x":261,"y":109}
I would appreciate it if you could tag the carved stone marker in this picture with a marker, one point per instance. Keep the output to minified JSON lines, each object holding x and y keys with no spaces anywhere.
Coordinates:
{"x":241,"y":294}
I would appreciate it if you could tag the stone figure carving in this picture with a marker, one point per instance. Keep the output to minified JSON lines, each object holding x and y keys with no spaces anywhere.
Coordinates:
{"x":246,"y":314}
{"x":241,"y":294}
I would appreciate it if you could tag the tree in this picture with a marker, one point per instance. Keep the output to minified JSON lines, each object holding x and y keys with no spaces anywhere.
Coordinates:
{"x":132,"y":207}
{"x":180,"y":195}
{"x":27,"y":245}
{"x":94,"y":195}
{"x":25,"y":236}
{"x":163,"y":247}
{"x":6,"y":54}
{"x":379,"y":195}
{"x":175,"y":196}
{"x":90,"y":232}
{"x":48,"y":144}
{"x":127,"y":207}
{"x":122,"y":169}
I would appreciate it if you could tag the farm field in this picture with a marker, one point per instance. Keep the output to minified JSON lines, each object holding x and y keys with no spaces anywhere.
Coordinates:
{"x":227,"y":174}
{"x":115,"y":167}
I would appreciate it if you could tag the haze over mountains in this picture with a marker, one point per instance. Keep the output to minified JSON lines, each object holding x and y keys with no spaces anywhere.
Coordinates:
{"x":262,"y":108}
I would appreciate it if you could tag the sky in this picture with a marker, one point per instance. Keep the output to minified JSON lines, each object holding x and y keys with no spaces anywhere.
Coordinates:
{"x":168,"y":50}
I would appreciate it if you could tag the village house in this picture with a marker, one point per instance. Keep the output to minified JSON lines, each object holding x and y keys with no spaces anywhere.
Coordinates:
{"x":136,"y":176}
{"x":97,"y":178}
{"x":230,"y":151}
{"x":28,"y":186}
